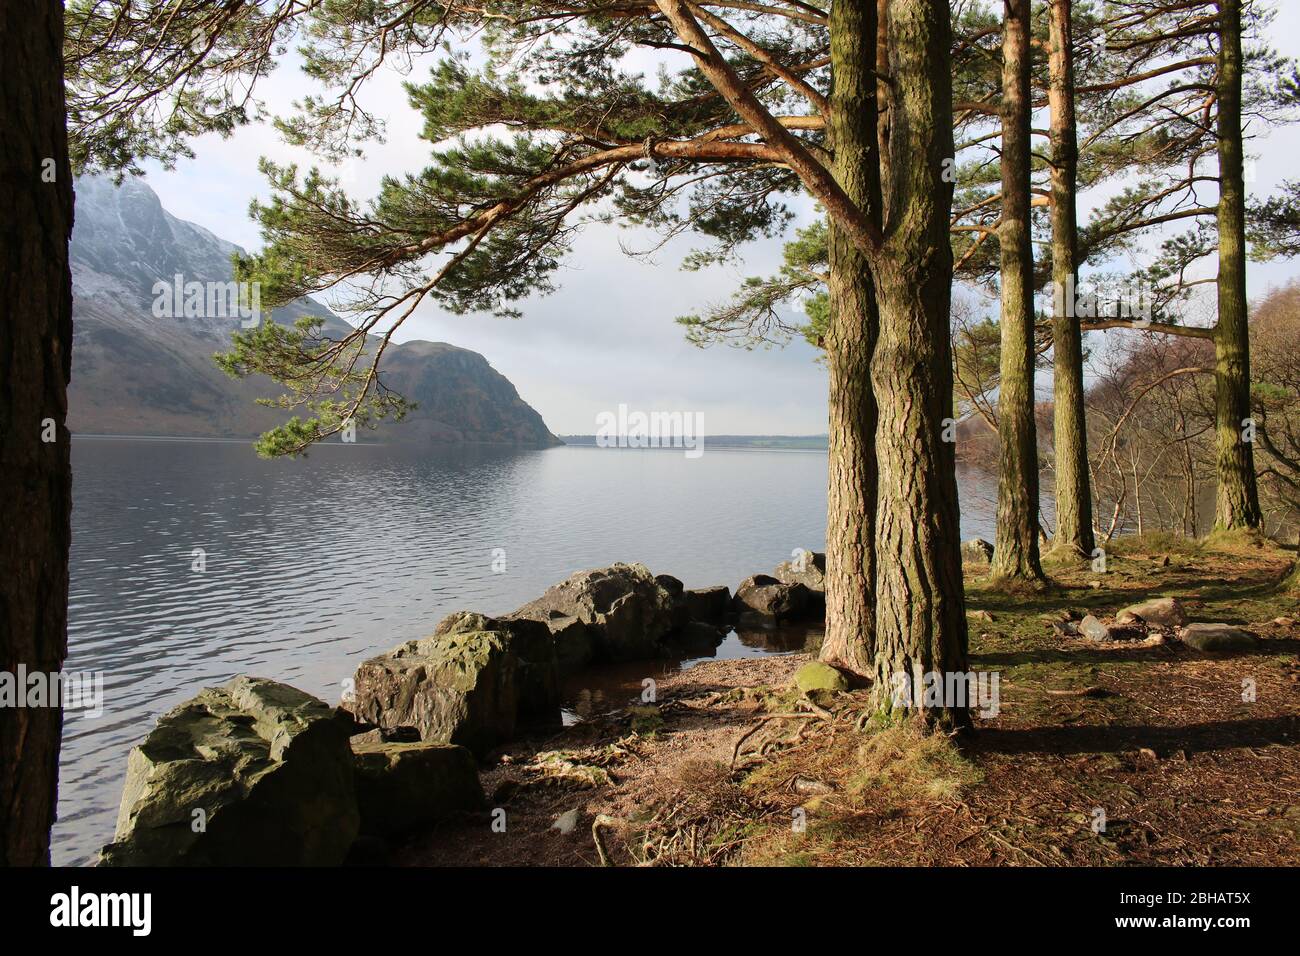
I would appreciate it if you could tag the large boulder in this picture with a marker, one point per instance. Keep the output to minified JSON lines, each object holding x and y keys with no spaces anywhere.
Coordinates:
{"x":627,"y":612}
{"x":672,"y":585}
{"x":681,"y":612}
{"x":576,"y":644}
{"x":535,"y":649}
{"x":808,"y":569}
{"x":765,"y":595}
{"x":1218,"y":637}
{"x":459,"y":687}
{"x":252,"y":773}
{"x":572,"y":644}
{"x":406,"y":786}
{"x":710,"y":605}
{"x":1159,"y":612}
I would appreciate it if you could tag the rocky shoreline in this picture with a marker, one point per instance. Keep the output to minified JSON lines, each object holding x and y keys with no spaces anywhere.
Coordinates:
{"x":256,"y":772}
{"x":259,"y":773}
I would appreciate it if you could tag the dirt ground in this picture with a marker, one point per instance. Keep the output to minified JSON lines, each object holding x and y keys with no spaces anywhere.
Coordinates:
{"x":1100,"y":754}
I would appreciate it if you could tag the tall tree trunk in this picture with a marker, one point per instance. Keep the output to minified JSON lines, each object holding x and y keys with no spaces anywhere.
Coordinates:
{"x":851,"y":495}
{"x":1015,"y":555}
{"x":1237,"y":502}
{"x":882,"y":90}
{"x":1070,"y":433}
{"x":920,"y":605}
{"x":35,"y":363}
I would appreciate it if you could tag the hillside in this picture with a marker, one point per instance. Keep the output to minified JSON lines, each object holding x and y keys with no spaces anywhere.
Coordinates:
{"x":137,"y":374}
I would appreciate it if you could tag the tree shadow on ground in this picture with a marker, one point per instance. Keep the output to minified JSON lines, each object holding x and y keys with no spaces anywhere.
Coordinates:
{"x":1137,"y":654}
{"x":1203,"y":588}
{"x":1190,"y":738}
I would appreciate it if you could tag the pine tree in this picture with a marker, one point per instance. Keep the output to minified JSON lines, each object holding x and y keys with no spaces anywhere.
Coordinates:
{"x":35,"y":362}
{"x":1015,"y":555}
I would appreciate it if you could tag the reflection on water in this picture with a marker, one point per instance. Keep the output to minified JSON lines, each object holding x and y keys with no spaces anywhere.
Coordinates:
{"x":309,"y":566}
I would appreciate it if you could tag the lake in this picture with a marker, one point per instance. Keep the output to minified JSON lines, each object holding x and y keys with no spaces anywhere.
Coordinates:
{"x":193,"y":561}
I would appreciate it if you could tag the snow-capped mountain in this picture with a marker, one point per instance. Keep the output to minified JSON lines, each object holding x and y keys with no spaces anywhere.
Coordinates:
{"x":141,"y":367}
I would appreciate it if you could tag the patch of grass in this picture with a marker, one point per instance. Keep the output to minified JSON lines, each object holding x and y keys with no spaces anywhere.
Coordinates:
{"x":1291,"y":583}
{"x":646,"y":721}
{"x":893,"y":773}
{"x":905,"y":764}
{"x":1156,"y":542}
{"x":1240,"y":541}
{"x":764,"y":696}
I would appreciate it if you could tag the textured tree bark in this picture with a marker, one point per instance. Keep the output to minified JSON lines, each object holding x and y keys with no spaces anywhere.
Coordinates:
{"x":850,"y":340}
{"x":920,"y":604}
{"x":35,"y":363}
{"x":1237,"y":501}
{"x":1074,"y":532}
{"x":1015,"y":555}
{"x":882,"y":89}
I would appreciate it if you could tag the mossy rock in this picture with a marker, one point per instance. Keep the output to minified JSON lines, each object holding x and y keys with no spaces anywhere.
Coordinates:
{"x":816,"y":676}
{"x":402,"y":787}
{"x":252,"y":773}
{"x":460,"y":688}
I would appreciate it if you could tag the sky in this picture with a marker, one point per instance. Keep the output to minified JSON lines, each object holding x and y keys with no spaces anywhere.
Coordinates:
{"x":607,"y":336}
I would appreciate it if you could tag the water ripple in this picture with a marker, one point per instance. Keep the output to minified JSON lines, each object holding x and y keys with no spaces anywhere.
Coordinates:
{"x":309,"y":566}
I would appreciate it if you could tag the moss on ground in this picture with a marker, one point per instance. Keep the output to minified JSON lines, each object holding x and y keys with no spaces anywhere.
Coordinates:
{"x":1152,"y":736}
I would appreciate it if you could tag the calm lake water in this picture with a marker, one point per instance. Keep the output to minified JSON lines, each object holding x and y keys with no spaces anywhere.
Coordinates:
{"x":309,"y":566}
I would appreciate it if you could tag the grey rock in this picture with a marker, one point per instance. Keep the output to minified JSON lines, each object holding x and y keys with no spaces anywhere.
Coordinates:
{"x":571,"y":640}
{"x":809,"y":570}
{"x":1218,"y":637}
{"x":1065,"y":628}
{"x":252,"y":773}
{"x":1160,"y":612}
{"x":1091,"y":628}
{"x":462,"y":622}
{"x":403,"y":787}
{"x":711,"y":605}
{"x":458,"y":688}
{"x":672,"y":585}
{"x":536,"y":650}
{"x":567,"y":821}
{"x":575,"y":643}
{"x":626,"y":610}
{"x":677,"y":595}
{"x":389,"y":735}
{"x":765,"y":595}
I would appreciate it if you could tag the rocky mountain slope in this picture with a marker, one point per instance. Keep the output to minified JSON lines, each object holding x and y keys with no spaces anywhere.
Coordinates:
{"x":134,"y":373}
